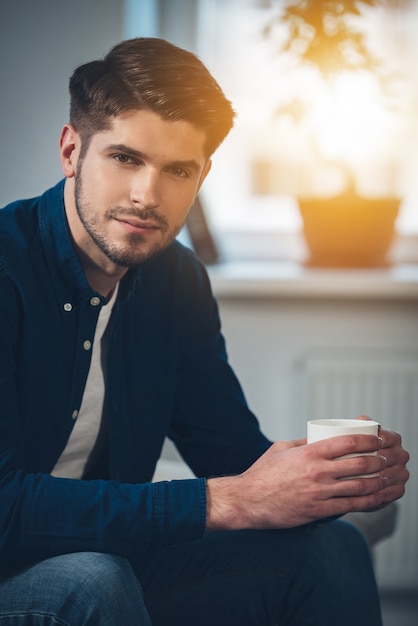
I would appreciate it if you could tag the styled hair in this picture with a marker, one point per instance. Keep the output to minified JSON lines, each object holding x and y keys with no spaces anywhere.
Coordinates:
{"x":152,"y":74}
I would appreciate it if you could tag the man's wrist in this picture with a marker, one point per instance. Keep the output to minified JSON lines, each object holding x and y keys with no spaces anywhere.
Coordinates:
{"x":223,"y":511}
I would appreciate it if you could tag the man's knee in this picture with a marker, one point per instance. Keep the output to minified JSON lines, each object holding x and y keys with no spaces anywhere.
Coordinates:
{"x":103,"y":586}
{"x":80,"y":589}
{"x":342,"y":535}
{"x":90,"y":568}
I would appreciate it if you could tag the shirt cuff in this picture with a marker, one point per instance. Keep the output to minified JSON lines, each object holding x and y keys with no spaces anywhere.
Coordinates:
{"x":179,"y":511}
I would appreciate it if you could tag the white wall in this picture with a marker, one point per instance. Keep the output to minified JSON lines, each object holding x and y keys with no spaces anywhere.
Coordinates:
{"x":41,"y":42}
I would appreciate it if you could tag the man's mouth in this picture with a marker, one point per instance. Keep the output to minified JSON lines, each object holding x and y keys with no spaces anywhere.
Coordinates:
{"x":136,"y":223}
{"x":137,"y":226}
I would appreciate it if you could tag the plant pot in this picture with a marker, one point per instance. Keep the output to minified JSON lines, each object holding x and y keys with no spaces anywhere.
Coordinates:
{"x":349,"y":230}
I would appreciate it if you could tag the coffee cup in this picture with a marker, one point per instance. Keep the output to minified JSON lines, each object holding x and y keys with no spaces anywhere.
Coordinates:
{"x":326,"y":428}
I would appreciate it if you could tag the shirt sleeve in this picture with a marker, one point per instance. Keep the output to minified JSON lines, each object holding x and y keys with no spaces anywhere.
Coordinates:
{"x":213,"y":427}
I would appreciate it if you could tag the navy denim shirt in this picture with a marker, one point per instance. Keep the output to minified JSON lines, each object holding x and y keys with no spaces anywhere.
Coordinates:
{"x":166,"y":374}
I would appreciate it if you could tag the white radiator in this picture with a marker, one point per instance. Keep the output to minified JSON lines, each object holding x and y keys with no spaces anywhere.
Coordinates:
{"x":384,"y":386}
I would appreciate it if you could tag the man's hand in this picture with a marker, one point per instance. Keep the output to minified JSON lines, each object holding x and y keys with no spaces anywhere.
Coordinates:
{"x":293,"y":483}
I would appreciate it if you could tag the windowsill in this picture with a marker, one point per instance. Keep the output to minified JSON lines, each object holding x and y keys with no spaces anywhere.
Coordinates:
{"x":274,"y":266}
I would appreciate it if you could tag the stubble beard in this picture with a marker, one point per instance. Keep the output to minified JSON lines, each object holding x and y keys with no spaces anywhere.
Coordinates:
{"x":133,"y":254}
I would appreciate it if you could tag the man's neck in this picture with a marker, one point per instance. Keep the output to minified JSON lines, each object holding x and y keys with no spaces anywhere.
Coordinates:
{"x":102,"y":283}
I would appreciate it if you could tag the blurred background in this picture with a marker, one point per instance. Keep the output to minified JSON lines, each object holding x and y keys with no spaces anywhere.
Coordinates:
{"x":312,"y":202}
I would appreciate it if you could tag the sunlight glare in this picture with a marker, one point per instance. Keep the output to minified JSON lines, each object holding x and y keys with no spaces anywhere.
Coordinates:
{"x":350,"y":121}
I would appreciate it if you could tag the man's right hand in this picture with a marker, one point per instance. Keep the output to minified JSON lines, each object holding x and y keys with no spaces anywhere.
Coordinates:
{"x":293,"y":484}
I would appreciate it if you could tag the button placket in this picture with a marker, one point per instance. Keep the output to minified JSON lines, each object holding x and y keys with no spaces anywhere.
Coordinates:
{"x":94,"y":302}
{"x":85,"y":320}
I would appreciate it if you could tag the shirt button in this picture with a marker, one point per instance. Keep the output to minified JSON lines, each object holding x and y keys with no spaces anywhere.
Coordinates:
{"x":74,"y":415}
{"x":95,"y":301}
{"x":68,"y":307}
{"x":87,"y":344}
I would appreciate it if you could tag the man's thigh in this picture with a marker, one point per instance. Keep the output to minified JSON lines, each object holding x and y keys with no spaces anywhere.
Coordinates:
{"x":263,"y":578}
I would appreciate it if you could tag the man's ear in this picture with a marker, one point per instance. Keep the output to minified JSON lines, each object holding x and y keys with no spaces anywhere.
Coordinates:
{"x":69,"y":150}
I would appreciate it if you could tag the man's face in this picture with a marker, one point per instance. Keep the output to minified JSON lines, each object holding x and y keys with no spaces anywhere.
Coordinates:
{"x":134,"y":187}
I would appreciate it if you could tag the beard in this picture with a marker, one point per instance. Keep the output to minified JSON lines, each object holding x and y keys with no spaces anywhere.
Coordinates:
{"x":134,"y":252}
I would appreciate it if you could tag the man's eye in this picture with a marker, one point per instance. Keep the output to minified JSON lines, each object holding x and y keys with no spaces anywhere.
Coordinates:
{"x":179,"y":172}
{"x":122,"y":158}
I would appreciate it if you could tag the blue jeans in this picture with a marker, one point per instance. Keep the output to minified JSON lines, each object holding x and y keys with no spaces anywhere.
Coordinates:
{"x":312,"y":576}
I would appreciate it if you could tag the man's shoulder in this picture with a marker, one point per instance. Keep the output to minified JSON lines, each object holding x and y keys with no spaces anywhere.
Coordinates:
{"x":20,"y":226}
{"x":178,"y":261}
{"x":15,"y":211}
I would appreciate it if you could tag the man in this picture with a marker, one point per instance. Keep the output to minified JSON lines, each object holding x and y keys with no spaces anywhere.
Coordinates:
{"x":109,"y":342}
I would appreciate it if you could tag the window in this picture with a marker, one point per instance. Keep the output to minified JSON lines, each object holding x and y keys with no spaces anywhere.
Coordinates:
{"x":380,"y":143}
{"x":268,"y":160}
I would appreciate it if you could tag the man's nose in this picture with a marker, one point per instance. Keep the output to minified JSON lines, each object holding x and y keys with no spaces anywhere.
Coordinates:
{"x":145,"y":189}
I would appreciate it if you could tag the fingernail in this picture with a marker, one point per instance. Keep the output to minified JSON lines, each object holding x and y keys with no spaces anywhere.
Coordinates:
{"x":380,"y":441}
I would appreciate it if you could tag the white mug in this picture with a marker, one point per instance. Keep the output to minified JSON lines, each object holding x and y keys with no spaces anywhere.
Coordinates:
{"x":326,"y":428}
{"x":323,"y":429}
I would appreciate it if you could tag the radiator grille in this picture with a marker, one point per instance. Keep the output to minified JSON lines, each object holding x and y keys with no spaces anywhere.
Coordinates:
{"x":384,"y":386}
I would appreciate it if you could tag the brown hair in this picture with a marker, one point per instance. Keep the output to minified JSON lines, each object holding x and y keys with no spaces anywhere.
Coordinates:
{"x":152,"y":74}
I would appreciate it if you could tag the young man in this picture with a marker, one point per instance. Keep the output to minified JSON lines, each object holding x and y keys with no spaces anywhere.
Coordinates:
{"x":109,"y":342}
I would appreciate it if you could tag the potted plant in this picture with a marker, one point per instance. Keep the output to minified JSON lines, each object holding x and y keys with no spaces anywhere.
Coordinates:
{"x":349,"y":225}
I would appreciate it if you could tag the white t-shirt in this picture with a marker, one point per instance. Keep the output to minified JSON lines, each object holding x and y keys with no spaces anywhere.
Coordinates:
{"x":84,"y":434}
